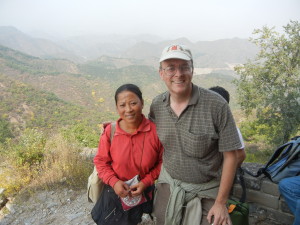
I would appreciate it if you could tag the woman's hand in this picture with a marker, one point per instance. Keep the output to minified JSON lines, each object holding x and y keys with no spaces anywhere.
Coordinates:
{"x":137,"y":189}
{"x":121,"y":189}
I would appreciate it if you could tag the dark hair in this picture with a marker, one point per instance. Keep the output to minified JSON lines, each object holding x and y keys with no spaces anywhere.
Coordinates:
{"x":129,"y":87}
{"x":221,"y":91}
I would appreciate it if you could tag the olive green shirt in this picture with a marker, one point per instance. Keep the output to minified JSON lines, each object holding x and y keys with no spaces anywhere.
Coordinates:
{"x":194,"y":141}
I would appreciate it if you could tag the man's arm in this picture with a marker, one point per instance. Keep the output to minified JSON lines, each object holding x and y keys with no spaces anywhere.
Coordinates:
{"x":219,"y":211}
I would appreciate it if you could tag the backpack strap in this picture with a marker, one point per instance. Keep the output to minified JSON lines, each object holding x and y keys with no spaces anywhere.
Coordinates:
{"x":285,"y":148}
{"x":240,"y":175}
{"x":296,"y":138}
{"x":112,"y":131}
{"x":271,"y":160}
{"x":277,"y":153}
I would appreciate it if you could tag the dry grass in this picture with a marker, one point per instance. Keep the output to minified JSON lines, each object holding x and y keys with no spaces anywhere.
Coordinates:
{"x":13,"y":179}
{"x":61,"y":165}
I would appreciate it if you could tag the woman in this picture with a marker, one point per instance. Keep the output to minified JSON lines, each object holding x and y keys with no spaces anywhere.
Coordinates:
{"x":135,"y":150}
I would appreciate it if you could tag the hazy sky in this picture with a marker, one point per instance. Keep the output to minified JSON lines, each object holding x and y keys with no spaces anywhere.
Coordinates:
{"x":194,"y":19}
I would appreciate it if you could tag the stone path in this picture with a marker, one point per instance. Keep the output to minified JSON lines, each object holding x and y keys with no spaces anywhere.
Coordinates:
{"x":52,"y":207}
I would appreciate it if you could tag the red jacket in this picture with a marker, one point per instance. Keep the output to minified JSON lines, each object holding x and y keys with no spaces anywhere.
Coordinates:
{"x":127,"y":157}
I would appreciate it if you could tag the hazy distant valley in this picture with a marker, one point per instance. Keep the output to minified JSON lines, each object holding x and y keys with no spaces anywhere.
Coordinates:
{"x":47,"y":83}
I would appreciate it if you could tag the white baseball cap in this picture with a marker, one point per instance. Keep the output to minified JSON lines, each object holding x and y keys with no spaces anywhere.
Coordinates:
{"x":176,"y":52}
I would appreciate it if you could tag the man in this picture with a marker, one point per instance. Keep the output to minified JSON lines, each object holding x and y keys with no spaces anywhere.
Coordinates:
{"x":290,"y":189}
{"x":199,"y":136}
{"x":240,"y":153}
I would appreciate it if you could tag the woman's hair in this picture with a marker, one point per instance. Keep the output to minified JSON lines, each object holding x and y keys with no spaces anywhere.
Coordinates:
{"x":129,"y":87}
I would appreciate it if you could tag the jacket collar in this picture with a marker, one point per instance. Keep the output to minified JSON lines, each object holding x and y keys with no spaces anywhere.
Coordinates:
{"x":144,"y":126}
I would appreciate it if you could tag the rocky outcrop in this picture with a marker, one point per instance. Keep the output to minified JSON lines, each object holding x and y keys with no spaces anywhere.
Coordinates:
{"x":3,"y":198}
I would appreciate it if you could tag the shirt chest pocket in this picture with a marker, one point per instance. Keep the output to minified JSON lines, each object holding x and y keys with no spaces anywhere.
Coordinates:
{"x":198,"y":145}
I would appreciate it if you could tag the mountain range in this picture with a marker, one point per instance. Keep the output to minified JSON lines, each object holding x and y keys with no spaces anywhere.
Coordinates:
{"x":54,"y":83}
{"x":145,"y":48}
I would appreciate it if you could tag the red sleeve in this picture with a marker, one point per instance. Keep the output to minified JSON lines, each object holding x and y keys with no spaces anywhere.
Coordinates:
{"x":153,"y":174}
{"x":103,"y":159}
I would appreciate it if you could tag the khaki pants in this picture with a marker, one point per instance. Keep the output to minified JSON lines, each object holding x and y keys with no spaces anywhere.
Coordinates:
{"x":162,"y":198}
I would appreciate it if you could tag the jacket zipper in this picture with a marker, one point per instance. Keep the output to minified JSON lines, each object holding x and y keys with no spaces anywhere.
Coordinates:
{"x":113,"y":211}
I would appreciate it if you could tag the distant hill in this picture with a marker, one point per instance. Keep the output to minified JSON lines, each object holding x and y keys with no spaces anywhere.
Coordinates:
{"x":24,"y":63}
{"x":94,"y":46}
{"x":144,"y":48}
{"x":91,"y":84}
{"x":211,"y":54}
{"x":223,"y":52}
{"x":77,"y":49}
{"x":15,"y":39}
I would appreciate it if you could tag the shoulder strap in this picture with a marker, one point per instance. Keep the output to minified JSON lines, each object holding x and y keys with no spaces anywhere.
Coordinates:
{"x":271,"y":160}
{"x":240,"y":175}
{"x":287,"y":149}
{"x":112,"y":131}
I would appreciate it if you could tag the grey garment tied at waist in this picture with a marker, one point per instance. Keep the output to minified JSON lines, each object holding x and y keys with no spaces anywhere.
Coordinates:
{"x":182,"y":192}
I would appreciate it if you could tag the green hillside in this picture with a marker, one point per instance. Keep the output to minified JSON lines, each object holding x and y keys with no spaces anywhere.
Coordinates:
{"x":22,"y":63}
{"x":147,"y":78}
{"x":27,"y":107}
{"x":53,"y":93}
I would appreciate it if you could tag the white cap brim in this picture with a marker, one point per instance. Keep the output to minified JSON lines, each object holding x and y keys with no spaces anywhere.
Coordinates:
{"x":175,"y":55}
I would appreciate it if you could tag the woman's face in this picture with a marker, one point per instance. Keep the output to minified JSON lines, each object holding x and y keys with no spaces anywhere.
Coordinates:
{"x":129,"y":107}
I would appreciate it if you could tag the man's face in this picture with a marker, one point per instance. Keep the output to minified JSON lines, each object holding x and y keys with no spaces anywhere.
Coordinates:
{"x":177,"y":75}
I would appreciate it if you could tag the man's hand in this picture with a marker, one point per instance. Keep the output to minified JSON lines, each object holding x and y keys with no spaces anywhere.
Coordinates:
{"x":220,"y":215}
{"x":121,"y":189}
{"x":219,"y":210}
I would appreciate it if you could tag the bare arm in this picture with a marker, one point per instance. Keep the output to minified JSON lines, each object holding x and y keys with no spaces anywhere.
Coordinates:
{"x":219,"y":210}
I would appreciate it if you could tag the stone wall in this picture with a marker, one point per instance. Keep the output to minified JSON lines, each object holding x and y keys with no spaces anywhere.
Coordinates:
{"x":266,"y":205}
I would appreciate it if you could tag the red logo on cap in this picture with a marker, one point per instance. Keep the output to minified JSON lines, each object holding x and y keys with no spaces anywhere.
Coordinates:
{"x":174,"y":47}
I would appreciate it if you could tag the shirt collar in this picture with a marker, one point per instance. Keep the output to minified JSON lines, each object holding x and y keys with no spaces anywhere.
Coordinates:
{"x":193,"y":100}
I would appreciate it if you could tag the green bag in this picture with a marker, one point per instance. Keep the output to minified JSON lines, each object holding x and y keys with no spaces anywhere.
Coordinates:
{"x":239,"y":210}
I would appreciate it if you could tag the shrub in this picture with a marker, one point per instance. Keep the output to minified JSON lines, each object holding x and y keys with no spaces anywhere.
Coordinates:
{"x":33,"y":162}
{"x":5,"y":130}
{"x":30,"y":148}
{"x":21,"y":160}
{"x":82,"y":133}
{"x":258,"y":153}
{"x":63,"y":164}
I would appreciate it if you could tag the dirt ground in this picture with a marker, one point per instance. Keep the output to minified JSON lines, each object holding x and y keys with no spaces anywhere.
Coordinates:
{"x":52,"y":207}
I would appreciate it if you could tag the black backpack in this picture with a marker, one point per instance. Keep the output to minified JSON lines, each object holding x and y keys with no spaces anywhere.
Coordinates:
{"x":285,"y":162}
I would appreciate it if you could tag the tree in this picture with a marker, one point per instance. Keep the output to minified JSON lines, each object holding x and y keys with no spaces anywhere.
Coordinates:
{"x":269,"y":85}
{"x":5,"y":131}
